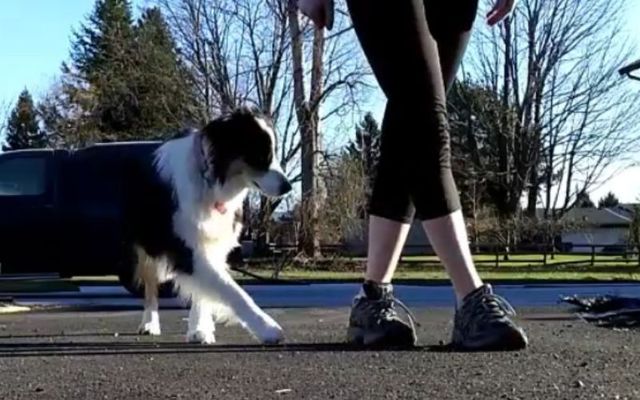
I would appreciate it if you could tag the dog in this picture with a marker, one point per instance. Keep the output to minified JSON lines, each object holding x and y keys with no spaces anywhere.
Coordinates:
{"x":183,"y":216}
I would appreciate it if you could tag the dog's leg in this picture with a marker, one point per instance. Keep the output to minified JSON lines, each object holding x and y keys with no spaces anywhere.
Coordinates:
{"x":150,"y":324}
{"x":201,"y":326}
{"x":215,"y":284}
{"x":146,"y":272}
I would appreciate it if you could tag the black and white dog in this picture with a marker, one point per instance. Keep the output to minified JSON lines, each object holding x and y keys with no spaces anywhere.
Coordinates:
{"x":182,"y":210}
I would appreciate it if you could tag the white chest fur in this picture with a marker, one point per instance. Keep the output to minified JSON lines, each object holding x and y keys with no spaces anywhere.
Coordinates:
{"x":216,"y":229}
{"x":201,"y":227}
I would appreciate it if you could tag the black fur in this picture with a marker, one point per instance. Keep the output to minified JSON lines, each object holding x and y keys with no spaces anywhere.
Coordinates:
{"x":238,"y":136}
{"x":149,"y":208}
{"x":150,"y":202}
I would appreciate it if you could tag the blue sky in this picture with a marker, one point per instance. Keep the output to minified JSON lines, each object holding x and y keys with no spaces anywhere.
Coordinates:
{"x":35,"y":37}
{"x":34,"y":40}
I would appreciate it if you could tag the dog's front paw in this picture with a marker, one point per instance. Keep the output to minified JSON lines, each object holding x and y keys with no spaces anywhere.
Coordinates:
{"x":149,"y":328}
{"x":271,"y":333}
{"x":201,"y":337}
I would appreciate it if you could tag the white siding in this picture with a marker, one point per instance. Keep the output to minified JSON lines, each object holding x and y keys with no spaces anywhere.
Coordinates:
{"x":604,"y":236}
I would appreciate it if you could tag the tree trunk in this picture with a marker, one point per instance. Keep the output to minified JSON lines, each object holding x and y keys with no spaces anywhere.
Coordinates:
{"x":262,"y":233}
{"x":307,"y":118}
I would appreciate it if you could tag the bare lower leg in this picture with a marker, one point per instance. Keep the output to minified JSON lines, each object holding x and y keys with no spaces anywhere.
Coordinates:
{"x":386,"y":240}
{"x":448,"y":236}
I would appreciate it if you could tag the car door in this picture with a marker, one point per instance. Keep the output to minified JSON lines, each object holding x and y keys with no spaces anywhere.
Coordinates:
{"x":27,"y":214}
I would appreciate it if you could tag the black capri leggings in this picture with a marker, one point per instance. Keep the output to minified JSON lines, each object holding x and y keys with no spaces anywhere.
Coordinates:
{"x":414,"y":48}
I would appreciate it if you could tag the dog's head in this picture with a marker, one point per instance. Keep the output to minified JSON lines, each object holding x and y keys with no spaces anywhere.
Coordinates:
{"x":238,"y":150}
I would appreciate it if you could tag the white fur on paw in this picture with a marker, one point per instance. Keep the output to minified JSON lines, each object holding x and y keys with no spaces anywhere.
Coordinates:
{"x":271,"y":334}
{"x":149,"y":328}
{"x":201,"y":337}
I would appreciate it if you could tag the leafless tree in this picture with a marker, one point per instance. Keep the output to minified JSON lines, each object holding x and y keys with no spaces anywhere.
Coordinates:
{"x":337,"y":75}
{"x":566,"y":117}
{"x":237,"y":53}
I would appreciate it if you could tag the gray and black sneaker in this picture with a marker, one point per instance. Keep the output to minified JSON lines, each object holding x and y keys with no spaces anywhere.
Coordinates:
{"x":374,"y":321}
{"x":484,"y":323}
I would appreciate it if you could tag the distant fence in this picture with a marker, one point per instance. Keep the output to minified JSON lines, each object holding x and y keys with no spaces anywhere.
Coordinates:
{"x":486,"y":255}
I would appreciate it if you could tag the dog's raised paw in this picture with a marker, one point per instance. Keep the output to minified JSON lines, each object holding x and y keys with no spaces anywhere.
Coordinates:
{"x":201,"y":337}
{"x":271,"y":334}
{"x":150,"y":329}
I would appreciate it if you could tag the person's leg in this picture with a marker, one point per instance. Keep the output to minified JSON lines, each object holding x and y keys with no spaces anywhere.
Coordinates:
{"x":433,"y":188}
{"x":404,"y":57}
{"x":390,"y":210}
{"x":373,"y":319}
{"x":483,"y":319}
{"x":386,"y":240}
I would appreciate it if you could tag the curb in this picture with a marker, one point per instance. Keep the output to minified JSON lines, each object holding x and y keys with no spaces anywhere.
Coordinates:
{"x":12,"y":309}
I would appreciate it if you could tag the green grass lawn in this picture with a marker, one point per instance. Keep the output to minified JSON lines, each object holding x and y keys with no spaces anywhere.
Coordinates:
{"x":520,"y":268}
{"x":535,"y":260}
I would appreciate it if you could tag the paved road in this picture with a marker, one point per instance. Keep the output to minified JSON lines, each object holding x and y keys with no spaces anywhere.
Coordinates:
{"x":338,"y":295}
{"x":77,"y":355}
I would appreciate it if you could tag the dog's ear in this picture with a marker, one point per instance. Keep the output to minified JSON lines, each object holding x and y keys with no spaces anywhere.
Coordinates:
{"x":219,"y":147}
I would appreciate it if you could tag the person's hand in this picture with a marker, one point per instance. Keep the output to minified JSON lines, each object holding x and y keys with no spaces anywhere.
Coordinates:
{"x":500,"y":10}
{"x":319,"y":11}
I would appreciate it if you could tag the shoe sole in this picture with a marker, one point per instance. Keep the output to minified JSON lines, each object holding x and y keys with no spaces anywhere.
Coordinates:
{"x":513,"y":340}
{"x":361,"y":337}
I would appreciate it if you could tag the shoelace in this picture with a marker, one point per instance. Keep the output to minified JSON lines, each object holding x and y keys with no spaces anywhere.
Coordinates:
{"x":388,"y":303}
{"x":498,"y":305}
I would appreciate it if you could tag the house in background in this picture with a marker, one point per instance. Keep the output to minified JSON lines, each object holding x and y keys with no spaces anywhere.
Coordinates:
{"x":607,"y":227}
{"x":417,"y":242}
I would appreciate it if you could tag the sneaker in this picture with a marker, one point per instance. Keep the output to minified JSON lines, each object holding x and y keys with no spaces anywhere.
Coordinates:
{"x":484,"y":323}
{"x":375,"y":322}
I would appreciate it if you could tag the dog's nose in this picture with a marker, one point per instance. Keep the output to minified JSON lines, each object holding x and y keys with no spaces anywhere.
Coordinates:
{"x":285,"y":187}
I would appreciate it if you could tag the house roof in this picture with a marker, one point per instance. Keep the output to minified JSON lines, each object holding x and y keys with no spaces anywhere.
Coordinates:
{"x":627,"y":209}
{"x":600,"y":217}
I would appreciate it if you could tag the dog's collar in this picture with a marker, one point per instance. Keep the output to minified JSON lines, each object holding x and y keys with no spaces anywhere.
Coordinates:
{"x":204,"y":166}
{"x":220,"y":207}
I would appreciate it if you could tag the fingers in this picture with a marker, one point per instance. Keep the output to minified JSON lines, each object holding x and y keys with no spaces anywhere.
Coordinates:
{"x":320,"y":12}
{"x":329,"y":11}
{"x":500,"y":10}
{"x":496,"y":6}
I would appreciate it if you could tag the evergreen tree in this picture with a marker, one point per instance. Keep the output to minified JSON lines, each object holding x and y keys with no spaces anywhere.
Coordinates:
{"x":584,"y":201}
{"x":104,"y":40}
{"x":103,"y":58}
{"x":165,"y":96}
{"x":365,"y":150}
{"x":23,"y":131}
{"x":366,"y":146}
{"x":608,"y":201}
{"x":131,"y":84}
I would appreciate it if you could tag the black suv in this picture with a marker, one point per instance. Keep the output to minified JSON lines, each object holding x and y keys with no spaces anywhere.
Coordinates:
{"x":60,"y":210}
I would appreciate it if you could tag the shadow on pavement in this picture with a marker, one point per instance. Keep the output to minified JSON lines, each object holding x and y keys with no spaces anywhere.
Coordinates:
{"x":31,"y":349}
{"x":71,"y":334}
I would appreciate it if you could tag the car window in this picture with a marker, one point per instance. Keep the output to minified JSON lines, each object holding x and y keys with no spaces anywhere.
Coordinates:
{"x":22,"y":176}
